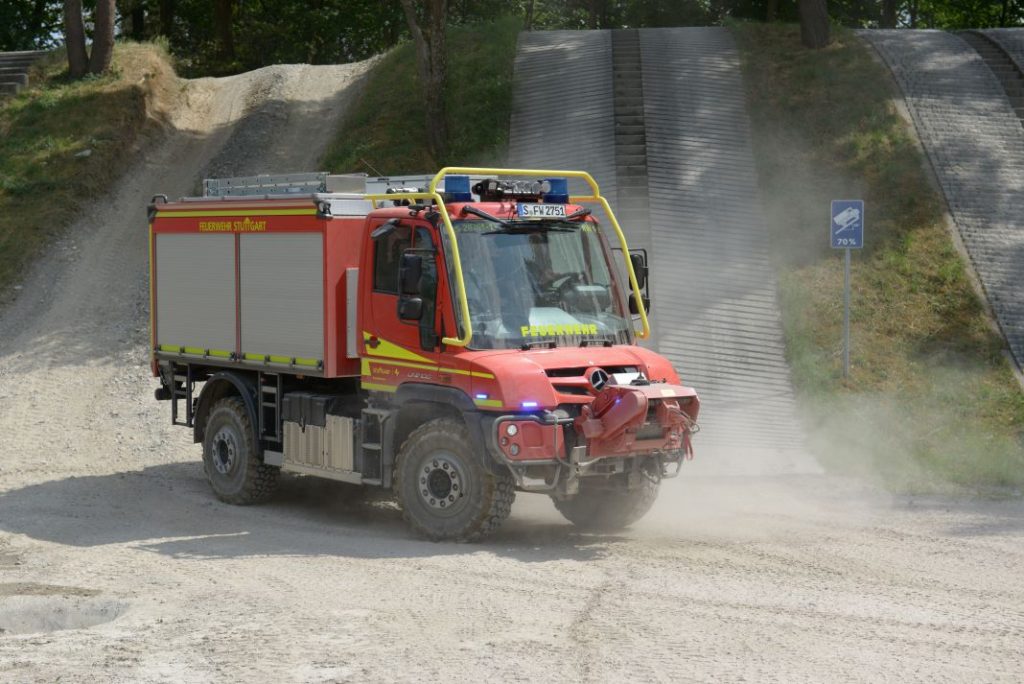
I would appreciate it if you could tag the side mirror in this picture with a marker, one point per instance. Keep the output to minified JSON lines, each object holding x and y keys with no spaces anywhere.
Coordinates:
{"x":633,"y":308}
{"x":410,"y":308}
{"x":384,"y":229}
{"x":639,"y":262}
{"x":409,"y":274}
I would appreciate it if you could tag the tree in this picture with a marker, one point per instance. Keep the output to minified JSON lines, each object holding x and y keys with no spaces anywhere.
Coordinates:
{"x":102,"y":37}
{"x":79,"y":61}
{"x":426,"y":21}
{"x":167,"y":8}
{"x":133,"y":14}
{"x":813,"y":23}
{"x":29,"y":25}
{"x":224,"y":28}
{"x":888,"y":14}
{"x":74,"y":36}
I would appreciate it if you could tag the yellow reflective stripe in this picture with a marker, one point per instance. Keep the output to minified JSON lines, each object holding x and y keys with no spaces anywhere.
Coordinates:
{"x":487,"y":402}
{"x":286,"y":360}
{"x":392,"y":350}
{"x":378,"y":387}
{"x":197,"y":351}
{"x":364,"y":367}
{"x":437,"y":369}
{"x":237,"y":212}
{"x":403,"y":364}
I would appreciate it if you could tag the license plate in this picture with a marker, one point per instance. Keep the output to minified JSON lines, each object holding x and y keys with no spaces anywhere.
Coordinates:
{"x":540,"y":210}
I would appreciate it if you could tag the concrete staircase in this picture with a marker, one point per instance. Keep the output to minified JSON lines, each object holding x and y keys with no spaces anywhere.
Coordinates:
{"x":634,"y":204}
{"x":1002,"y":65}
{"x":14,"y":68}
{"x":658,"y":117}
{"x":970,"y":126}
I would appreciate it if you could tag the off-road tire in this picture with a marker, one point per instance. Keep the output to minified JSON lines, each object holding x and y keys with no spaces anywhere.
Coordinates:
{"x":230,"y":457}
{"x":484,"y":499}
{"x":609,"y":509}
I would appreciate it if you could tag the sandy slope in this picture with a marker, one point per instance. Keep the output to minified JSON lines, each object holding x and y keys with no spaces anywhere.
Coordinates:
{"x":107,"y":527}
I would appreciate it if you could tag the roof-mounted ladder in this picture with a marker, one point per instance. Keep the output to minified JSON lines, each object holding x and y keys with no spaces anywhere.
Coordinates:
{"x":289,"y":183}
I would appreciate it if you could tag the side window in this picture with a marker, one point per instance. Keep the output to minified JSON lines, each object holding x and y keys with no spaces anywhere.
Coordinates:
{"x":423,"y":240}
{"x":387,"y":257}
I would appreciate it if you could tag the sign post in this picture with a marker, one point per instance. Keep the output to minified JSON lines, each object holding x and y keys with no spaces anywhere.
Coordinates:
{"x":846,"y":231}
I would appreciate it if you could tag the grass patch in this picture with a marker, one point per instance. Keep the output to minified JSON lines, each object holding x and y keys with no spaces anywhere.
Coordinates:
{"x":63,"y":143}
{"x":931,"y":403}
{"x":385,"y":129}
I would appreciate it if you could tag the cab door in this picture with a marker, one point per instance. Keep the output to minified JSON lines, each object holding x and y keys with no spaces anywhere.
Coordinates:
{"x":400,"y":311}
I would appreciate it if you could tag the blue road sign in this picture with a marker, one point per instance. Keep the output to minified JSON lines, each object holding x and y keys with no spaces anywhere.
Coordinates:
{"x":847,"y":227}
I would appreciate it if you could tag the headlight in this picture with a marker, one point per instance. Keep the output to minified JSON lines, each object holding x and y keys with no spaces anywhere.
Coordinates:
{"x":512,"y":430}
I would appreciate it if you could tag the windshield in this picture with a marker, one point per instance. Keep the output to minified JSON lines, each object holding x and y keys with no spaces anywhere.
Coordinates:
{"x":539,"y":283}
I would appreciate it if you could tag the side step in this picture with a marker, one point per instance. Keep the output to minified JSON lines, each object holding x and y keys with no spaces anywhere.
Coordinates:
{"x":372,"y":444}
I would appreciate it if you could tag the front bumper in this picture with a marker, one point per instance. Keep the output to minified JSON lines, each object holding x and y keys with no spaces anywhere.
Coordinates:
{"x":624,"y":430}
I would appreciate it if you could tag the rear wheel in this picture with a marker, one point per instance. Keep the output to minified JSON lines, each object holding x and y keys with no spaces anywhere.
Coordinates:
{"x":445,"y":491}
{"x":606,"y":509}
{"x":230,"y":458}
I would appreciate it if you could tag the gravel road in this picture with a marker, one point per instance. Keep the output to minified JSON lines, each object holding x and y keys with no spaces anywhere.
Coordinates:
{"x":117,"y":564}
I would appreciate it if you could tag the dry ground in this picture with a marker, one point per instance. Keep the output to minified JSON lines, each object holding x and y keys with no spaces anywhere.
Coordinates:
{"x":117,"y":564}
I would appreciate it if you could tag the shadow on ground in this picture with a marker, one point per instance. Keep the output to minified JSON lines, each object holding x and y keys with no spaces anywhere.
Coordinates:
{"x":169,"y":510}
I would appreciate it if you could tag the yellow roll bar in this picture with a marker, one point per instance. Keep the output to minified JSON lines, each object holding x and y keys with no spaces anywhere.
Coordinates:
{"x":463,"y":304}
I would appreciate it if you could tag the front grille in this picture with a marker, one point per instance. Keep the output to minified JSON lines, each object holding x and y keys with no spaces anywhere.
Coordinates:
{"x":576,"y":372}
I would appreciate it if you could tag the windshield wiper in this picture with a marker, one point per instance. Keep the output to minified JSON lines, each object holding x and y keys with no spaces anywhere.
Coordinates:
{"x":604,"y":341}
{"x":578,"y":214}
{"x":527,"y":346}
{"x":484,"y":215}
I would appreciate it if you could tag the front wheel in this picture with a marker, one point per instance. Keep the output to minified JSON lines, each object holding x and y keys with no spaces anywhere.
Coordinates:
{"x":596,"y":508}
{"x":445,"y":491}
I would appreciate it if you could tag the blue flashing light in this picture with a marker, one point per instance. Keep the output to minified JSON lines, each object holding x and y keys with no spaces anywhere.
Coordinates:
{"x":481,"y":396}
{"x":529,"y":404}
{"x":559,"y":193}
{"x":457,"y":188}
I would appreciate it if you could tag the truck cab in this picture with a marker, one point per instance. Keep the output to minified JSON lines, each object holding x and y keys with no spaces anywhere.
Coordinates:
{"x":455,"y":343}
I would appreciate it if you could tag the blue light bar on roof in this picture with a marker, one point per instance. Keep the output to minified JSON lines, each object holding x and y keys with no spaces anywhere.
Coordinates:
{"x":559,"y":193}
{"x":457,"y":188}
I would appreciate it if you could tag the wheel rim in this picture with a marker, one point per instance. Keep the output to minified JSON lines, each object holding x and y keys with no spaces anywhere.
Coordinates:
{"x":441,"y":484}
{"x":225,"y":451}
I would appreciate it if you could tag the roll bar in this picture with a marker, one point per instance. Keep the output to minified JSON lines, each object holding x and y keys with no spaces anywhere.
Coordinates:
{"x":463,"y":304}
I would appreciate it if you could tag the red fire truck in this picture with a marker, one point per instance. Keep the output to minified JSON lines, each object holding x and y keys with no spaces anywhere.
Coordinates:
{"x":454,"y":343}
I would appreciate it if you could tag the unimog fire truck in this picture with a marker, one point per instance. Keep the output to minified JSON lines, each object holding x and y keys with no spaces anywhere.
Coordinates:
{"x":454,"y":343}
